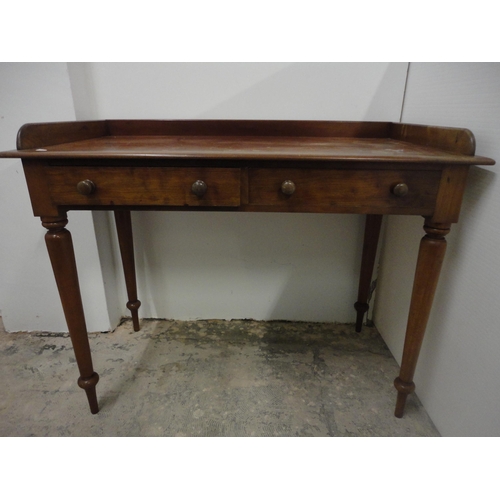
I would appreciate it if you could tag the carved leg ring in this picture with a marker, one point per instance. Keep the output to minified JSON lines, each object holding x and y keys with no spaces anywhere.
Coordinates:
{"x":62,"y":258}
{"x":429,"y":262}
{"x":125,"y":239}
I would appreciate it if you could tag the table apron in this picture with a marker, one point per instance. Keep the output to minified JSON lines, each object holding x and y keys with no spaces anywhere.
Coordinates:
{"x":359,"y":190}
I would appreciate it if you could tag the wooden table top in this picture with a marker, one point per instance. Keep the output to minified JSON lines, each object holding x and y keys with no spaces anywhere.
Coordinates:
{"x":258,"y":148}
{"x":248,"y":140}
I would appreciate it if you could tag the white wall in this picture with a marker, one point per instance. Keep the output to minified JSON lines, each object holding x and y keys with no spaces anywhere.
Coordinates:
{"x":34,"y":92}
{"x":230,"y":265}
{"x":288,"y":91}
{"x":458,"y":370}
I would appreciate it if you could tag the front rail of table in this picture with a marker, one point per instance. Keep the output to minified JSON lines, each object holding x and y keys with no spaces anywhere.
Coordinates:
{"x":371,"y":168}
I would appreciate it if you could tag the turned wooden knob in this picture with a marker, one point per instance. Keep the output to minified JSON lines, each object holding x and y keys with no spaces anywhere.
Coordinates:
{"x":400,"y":190}
{"x":288,"y":187}
{"x":86,"y":187}
{"x":199,"y":188}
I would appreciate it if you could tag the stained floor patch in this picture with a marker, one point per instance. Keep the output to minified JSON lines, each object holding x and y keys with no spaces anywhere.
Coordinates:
{"x":208,"y":378}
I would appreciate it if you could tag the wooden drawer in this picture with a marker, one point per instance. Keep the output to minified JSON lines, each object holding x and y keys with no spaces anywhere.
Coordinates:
{"x":154,"y":186}
{"x":353,"y":191}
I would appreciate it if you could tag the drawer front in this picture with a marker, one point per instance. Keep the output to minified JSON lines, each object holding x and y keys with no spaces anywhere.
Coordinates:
{"x":144,"y":186}
{"x":354,"y":191}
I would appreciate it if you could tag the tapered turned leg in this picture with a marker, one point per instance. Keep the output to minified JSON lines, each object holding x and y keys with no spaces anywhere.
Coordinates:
{"x":429,"y":262}
{"x":125,"y":239}
{"x":372,"y":233}
{"x":62,"y":258}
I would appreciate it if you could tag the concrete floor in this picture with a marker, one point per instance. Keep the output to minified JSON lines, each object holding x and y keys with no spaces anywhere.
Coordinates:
{"x":208,"y":378}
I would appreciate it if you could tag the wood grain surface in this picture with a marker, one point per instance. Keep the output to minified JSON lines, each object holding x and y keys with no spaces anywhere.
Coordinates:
{"x":230,"y":139}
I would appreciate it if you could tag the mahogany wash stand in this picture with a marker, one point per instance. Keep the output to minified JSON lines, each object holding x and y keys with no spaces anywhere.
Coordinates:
{"x":371,"y":168}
